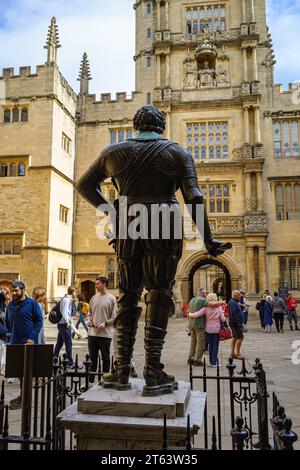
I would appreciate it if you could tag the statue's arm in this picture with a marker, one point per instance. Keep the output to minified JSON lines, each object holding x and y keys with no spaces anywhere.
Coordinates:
{"x":193,"y":198}
{"x":89,"y":184}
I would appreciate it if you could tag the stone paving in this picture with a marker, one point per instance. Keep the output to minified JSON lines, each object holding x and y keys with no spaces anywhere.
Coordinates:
{"x":274,"y":350}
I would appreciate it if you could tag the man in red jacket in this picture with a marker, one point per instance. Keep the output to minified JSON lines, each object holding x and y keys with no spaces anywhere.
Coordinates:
{"x":291,"y":304}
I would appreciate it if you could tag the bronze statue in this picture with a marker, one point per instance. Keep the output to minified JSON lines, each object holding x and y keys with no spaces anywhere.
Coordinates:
{"x":148,"y":170}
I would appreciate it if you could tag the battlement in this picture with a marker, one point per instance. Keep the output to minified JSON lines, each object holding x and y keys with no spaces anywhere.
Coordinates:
{"x":121,"y":96}
{"x":24,"y":71}
{"x":292,"y":87}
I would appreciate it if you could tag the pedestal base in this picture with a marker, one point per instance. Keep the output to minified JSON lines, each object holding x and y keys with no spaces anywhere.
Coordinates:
{"x":106,"y":420}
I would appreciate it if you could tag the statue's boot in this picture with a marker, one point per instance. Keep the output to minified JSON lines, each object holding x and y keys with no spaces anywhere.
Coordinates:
{"x":126,"y":325}
{"x":159,"y":308}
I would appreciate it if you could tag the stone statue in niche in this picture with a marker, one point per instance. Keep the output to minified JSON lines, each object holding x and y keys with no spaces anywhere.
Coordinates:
{"x":190,"y":73}
{"x":222,"y":75}
{"x":207,"y":75}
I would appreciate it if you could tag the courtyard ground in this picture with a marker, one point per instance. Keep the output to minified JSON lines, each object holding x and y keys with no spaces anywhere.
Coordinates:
{"x":274,"y":350}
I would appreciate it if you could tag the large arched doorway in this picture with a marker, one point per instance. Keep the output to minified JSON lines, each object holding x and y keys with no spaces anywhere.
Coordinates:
{"x":213,"y":276}
{"x":88,"y":290}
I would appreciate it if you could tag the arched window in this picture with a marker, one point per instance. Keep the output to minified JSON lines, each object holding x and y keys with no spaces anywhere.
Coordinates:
{"x":149,"y":62}
{"x":3,"y":170}
{"x":112,"y":274}
{"x":21,"y":169}
{"x":6,"y":117}
{"x":297,"y":201}
{"x":17,"y":246}
{"x":12,"y":169}
{"x":279,"y":202}
{"x":286,"y":140}
{"x":283,"y":272}
{"x":149,"y":33}
{"x":288,"y":202}
{"x":16,"y":115}
{"x":292,"y":273}
{"x":149,"y":8}
{"x":24,"y":115}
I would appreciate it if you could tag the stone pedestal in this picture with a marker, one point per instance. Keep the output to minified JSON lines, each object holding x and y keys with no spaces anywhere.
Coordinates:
{"x":105,"y":419}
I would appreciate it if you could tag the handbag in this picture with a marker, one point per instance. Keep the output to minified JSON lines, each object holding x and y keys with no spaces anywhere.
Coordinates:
{"x":225,"y":333}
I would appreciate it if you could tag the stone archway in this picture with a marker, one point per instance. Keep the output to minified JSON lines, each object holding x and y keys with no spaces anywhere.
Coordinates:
{"x":87,"y":289}
{"x":199,"y":258}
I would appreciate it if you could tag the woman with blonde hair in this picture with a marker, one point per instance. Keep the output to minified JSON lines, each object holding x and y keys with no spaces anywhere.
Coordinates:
{"x":39,"y":294}
{"x":214,"y":318}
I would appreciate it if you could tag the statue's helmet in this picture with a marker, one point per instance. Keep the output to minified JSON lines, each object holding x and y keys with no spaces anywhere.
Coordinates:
{"x":148,"y":118}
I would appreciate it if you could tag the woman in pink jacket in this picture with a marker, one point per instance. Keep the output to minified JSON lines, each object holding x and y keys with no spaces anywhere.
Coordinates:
{"x":214,"y":318}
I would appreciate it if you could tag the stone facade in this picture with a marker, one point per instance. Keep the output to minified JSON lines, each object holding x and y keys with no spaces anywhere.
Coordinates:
{"x":218,"y":71}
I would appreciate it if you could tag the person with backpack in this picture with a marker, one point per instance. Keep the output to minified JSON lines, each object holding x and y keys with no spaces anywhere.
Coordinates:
{"x":83,"y":310}
{"x":64,"y":317}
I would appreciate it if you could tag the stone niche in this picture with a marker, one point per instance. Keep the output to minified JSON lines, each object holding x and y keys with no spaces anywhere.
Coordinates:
{"x":106,"y":419}
{"x":205,"y":69}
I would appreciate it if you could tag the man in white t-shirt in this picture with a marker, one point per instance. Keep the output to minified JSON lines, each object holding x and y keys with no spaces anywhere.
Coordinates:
{"x":103,"y":312}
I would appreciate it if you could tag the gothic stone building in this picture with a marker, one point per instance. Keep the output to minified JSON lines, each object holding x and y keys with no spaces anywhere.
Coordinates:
{"x":209,"y":66}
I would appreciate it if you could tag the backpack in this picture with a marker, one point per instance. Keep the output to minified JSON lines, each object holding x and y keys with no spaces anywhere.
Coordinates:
{"x":85,"y":308}
{"x":257,"y":306}
{"x":55,"y":315}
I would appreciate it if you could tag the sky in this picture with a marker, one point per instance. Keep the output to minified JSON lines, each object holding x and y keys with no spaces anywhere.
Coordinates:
{"x":105,"y":29}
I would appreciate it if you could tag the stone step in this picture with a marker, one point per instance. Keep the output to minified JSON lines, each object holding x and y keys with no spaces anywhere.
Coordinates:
{"x":109,"y":402}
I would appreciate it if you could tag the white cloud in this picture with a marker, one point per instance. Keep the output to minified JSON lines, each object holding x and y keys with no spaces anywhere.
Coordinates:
{"x":105,"y":29}
{"x":283,"y":18}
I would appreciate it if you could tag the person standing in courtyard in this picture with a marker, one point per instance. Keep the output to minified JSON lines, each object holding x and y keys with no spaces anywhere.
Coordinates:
{"x":291,"y":304}
{"x":24,"y":321}
{"x":197,"y":326}
{"x":64,"y":336}
{"x":83,"y":310}
{"x":39,"y":294}
{"x":278,"y":307}
{"x":102,"y":314}
{"x":268,"y":314}
{"x":214,"y":317}
{"x":236,"y":321}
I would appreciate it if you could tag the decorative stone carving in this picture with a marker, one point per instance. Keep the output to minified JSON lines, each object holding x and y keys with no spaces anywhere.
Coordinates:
{"x":244,"y":29}
{"x":248,"y":151}
{"x":255,"y":223}
{"x":158,"y":36}
{"x":268,"y":114}
{"x":222,"y":75}
{"x":236,"y":91}
{"x":167,"y":94}
{"x":176,"y":96}
{"x":158,"y":94}
{"x":207,"y":76}
{"x":167,"y":35}
{"x":238,"y":153}
{"x":245,"y":90}
{"x":255,"y":88}
{"x":178,"y":38}
{"x":190,"y":73}
{"x":227,"y":225}
{"x":252,"y":28}
{"x":258,"y":151}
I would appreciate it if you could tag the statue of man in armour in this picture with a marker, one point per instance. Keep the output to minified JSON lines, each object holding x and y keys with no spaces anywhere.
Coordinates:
{"x":147,"y":169}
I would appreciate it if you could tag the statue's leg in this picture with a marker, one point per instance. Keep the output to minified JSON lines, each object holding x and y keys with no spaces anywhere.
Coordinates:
{"x":159,"y":272}
{"x":126,"y":323}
